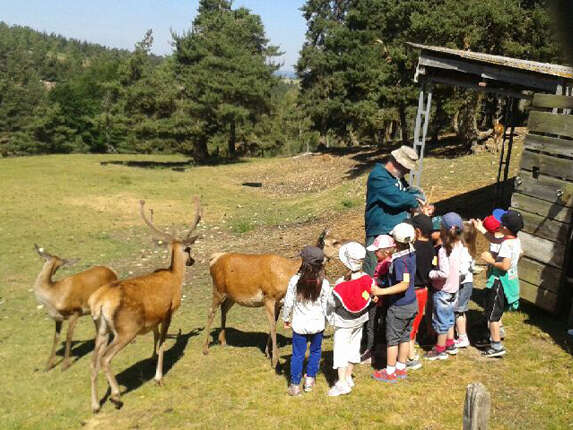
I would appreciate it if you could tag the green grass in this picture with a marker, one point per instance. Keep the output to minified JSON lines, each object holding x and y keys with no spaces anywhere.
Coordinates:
{"x":75,"y":207}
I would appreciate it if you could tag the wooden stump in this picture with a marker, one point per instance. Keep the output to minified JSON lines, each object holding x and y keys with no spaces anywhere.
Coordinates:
{"x":476,"y":408}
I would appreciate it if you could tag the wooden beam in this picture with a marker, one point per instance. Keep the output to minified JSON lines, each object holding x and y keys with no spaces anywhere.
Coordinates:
{"x":542,"y":250}
{"x":546,"y":122}
{"x":547,"y":165}
{"x":552,"y":101}
{"x":544,"y":227}
{"x":545,"y":188}
{"x":544,"y":299}
{"x":540,"y":275}
{"x":493,"y":72}
{"x":542,"y":208}
{"x":551,"y":145}
{"x":473,"y":85}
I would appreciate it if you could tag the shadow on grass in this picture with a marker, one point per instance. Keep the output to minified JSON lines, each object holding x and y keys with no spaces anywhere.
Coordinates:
{"x":246,"y":339}
{"x":556,"y":328}
{"x":178,"y":166}
{"x":79,"y":348}
{"x":139,"y":373}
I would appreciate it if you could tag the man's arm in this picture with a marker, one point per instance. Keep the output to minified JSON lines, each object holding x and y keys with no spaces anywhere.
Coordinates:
{"x":385,"y":192}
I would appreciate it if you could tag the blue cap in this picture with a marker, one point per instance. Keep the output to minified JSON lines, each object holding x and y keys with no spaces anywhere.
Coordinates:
{"x":499,"y":213}
{"x":452,"y":219}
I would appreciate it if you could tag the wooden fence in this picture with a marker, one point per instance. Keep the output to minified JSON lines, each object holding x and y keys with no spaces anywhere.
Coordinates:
{"x":544,"y":196}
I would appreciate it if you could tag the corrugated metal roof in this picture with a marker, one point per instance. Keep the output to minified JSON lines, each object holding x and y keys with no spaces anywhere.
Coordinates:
{"x":516,"y":63}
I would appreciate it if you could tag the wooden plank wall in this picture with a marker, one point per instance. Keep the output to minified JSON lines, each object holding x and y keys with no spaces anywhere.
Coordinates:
{"x":544,"y":196}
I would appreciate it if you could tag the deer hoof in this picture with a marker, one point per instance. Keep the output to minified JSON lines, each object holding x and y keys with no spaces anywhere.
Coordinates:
{"x":205,"y":351}
{"x":96,"y":409}
{"x":115,"y":399}
{"x":66,"y":365}
{"x":158,"y":382}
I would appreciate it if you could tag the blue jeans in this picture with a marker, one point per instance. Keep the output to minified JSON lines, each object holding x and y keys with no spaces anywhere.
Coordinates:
{"x":299,"y":349}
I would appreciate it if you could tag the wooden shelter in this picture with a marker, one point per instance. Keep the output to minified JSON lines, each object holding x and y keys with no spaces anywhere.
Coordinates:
{"x":544,"y":188}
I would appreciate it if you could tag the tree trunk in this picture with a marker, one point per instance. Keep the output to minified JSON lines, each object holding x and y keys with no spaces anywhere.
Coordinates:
{"x":403,"y":124}
{"x":467,"y":122}
{"x":232,"y":139}
{"x":200,"y":152}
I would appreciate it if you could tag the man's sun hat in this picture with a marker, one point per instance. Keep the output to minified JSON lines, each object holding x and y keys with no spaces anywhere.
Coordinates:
{"x":381,"y":242}
{"x":404,"y":233}
{"x":452,"y":219}
{"x":352,"y":255}
{"x":406,"y":157}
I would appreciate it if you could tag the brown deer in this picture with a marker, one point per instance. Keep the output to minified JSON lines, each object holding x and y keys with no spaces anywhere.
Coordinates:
{"x":254,"y":280}
{"x":498,"y":130}
{"x":138,"y":305}
{"x":66,"y":299}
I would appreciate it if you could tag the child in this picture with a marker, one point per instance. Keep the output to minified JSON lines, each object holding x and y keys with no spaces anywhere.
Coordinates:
{"x":446,"y":283}
{"x":306,"y":299}
{"x":403,"y":304}
{"x":467,"y":263}
{"x":348,"y":311}
{"x":503,"y":283}
{"x":383,"y":248}
{"x":424,"y":260}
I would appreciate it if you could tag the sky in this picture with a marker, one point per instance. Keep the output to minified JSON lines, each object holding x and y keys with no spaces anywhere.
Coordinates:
{"x":121,"y":23}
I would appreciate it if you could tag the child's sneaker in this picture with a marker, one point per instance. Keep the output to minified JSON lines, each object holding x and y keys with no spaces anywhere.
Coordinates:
{"x":452,"y":349}
{"x":350,"y":382}
{"x":338,"y":389}
{"x":308,"y":383}
{"x":462,"y":343}
{"x":493,"y":352}
{"x":435,"y":355}
{"x":383,"y":376}
{"x":414,"y":363}
{"x":401,"y":374}
{"x":294,"y":390}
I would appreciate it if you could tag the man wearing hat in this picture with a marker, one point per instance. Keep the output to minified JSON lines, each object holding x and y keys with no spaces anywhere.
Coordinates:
{"x":389,"y":200}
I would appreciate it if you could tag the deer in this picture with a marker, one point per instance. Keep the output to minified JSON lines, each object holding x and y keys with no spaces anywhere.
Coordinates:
{"x":134,"y":306}
{"x":255,"y":280}
{"x":66,"y":299}
{"x":498,"y":130}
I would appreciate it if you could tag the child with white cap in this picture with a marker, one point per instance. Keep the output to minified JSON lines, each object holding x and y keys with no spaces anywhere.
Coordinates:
{"x":403,"y":305}
{"x":348,"y":311}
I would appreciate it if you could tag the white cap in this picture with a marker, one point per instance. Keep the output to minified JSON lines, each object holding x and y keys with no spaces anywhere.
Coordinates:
{"x":381,"y":242}
{"x":352,"y":254}
{"x":404,"y":233}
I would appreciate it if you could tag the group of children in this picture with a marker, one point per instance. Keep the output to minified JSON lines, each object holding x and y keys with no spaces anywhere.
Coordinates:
{"x":425,"y":267}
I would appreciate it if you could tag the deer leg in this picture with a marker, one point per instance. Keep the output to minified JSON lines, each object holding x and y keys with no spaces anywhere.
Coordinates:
{"x":119,"y":342}
{"x":71,"y":325}
{"x":217,"y":300}
{"x":225,"y":306}
{"x":155,"y":340}
{"x":52,"y":356}
{"x":101,"y":340}
{"x":164,"y":327}
{"x":270,"y":311}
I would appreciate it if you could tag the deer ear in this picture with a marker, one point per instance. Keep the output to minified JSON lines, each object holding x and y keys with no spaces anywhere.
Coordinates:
{"x":70,"y":262}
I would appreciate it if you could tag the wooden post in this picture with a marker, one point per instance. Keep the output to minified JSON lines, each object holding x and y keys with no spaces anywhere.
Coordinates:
{"x":476,"y":408}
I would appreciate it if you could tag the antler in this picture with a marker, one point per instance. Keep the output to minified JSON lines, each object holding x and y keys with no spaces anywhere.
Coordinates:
{"x":320,"y":240}
{"x":161,"y":234}
{"x":198,"y":214}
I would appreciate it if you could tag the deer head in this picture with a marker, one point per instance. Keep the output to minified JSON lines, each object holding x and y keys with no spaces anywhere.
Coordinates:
{"x":55,"y":260}
{"x":329,"y":245}
{"x":186,"y":242}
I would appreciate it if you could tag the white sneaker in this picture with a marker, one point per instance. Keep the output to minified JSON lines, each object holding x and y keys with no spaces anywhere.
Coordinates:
{"x":338,"y":389}
{"x":308,"y":383}
{"x":462,"y":343}
{"x":350,"y":382}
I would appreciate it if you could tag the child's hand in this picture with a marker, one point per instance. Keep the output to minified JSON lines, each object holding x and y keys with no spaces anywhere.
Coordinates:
{"x":287,"y":325}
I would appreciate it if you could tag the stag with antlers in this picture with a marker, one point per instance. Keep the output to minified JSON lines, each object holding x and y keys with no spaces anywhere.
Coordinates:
{"x":138,"y":305}
{"x":66,"y":299}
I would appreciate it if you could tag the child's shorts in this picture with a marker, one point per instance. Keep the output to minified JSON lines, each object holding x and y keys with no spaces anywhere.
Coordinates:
{"x":443,"y":312}
{"x":464,"y":295}
{"x":399,"y":321}
{"x":496,"y":302}
{"x":346,"y":348}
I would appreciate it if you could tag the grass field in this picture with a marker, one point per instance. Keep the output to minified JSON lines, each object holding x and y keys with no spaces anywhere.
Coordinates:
{"x":75,"y":207}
